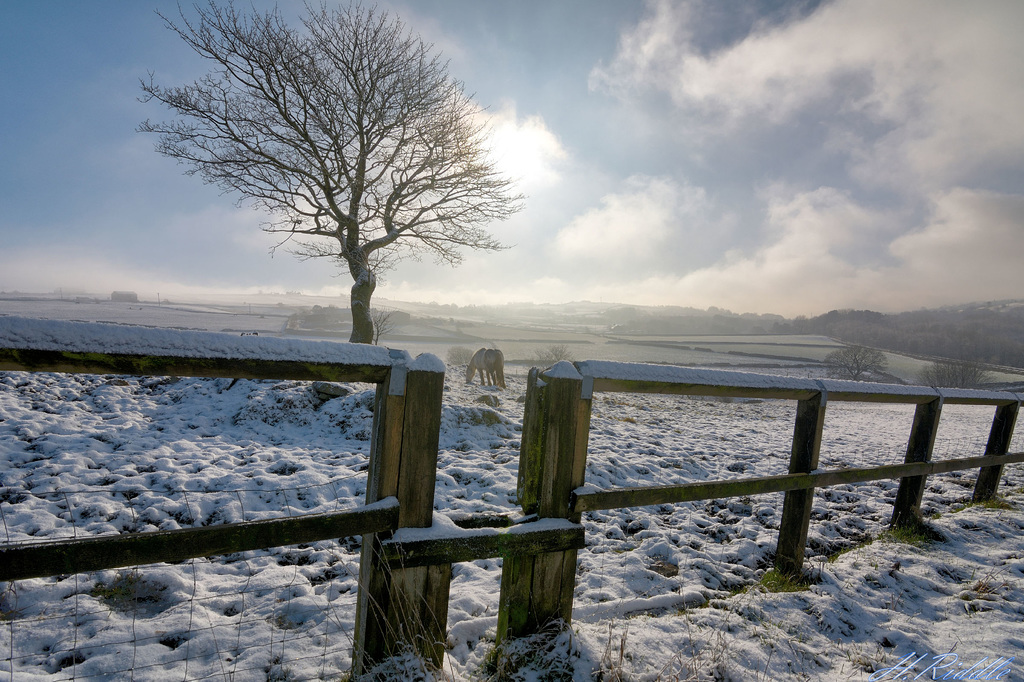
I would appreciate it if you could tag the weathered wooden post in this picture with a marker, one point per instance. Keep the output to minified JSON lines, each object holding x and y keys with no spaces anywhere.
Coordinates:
{"x":907,"y":507}
{"x":796,"y":509}
{"x":403,"y":607}
{"x":538,"y":589}
{"x":528,"y":483}
{"x":998,"y":444}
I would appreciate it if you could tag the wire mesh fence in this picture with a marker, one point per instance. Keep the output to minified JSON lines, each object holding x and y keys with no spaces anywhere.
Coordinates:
{"x":285,"y":613}
{"x":244,"y":618}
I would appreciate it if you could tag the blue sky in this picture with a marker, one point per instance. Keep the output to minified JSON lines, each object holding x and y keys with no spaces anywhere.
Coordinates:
{"x":788,"y":157}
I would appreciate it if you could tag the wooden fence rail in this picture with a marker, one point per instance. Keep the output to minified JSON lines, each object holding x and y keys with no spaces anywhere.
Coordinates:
{"x":22,"y":560}
{"x":406,"y":560}
{"x":642,"y":496}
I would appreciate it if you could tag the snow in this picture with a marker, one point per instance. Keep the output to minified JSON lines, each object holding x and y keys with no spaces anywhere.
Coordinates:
{"x":910,"y":392}
{"x":905,"y":391}
{"x":426,"y":362}
{"x":626,"y":371}
{"x":84,"y":337}
{"x":953,"y":394}
{"x":84,"y":455}
{"x":443,"y":528}
{"x":562,"y":370}
{"x":670,"y":374}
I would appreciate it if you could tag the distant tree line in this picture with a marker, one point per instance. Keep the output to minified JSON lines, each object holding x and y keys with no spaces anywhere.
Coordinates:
{"x":320,"y":318}
{"x":984,"y":333}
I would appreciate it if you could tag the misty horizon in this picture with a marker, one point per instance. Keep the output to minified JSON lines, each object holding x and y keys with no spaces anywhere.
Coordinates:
{"x":299,"y":299}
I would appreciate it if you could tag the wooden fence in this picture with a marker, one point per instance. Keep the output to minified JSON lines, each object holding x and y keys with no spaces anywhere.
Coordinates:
{"x":405,"y":565}
{"x":552,"y":467}
{"x":403,"y":579}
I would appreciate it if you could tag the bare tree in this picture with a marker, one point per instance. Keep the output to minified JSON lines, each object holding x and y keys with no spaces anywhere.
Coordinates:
{"x":349,"y":132}
{"x":459,"y":355}
{"x":383,"y":322}
{"x":854,"y":362}
{"x":554,"y":353}
{"x":955,"y":374}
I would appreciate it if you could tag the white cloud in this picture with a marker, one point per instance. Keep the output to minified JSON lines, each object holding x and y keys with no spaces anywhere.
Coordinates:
{"x":818,"y":250}
{"x":629,"y":225}
{"x":653,"y":224}
{"x":917,"y":98}
{"x":972,"y":245}
{"x":798,"y":269}
{"x":809,"y":263}
{"x":936,"y":86}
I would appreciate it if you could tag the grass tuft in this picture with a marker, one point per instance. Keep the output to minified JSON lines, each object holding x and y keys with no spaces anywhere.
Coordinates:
{"x":128,"y":592}
{"x":549,"y":655}
{"x":996,"y":502}
{"x":918,"y":534}
{"x":832,"y":558}
{"x":613,"y":661}
{"x":776,"y":581}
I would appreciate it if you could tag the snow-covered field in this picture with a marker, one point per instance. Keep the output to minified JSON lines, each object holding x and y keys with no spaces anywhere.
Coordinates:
{"x":662,"y":593}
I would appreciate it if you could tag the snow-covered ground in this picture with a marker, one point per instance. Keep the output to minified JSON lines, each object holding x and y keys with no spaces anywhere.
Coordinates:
{"x":667,"y":592}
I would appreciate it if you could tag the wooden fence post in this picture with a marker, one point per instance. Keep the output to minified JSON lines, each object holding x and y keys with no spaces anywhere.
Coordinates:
{"x":907,"y":507}
{"x":528,"y":483}
{"x":796,"y":509}
{"x":403,"y":607}
{"x":538,"y":589}
{"x":998,"y":444}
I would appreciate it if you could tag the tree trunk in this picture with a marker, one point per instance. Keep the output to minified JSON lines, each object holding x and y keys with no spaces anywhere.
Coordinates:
{"x":362,"y":290}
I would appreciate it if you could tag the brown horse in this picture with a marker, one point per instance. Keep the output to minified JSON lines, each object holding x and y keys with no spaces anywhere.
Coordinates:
{"x":490,"y":362}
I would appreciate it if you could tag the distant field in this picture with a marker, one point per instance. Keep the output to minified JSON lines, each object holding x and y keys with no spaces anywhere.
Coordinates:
{"x":908,"y":369}
{"x":811,"y":340}
{"x":797,"y":347}
{"x":217,"y":318}
{"x":523,"y":349}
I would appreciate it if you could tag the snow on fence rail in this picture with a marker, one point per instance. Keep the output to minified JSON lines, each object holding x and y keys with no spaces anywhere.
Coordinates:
{"x":80,"y":347}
